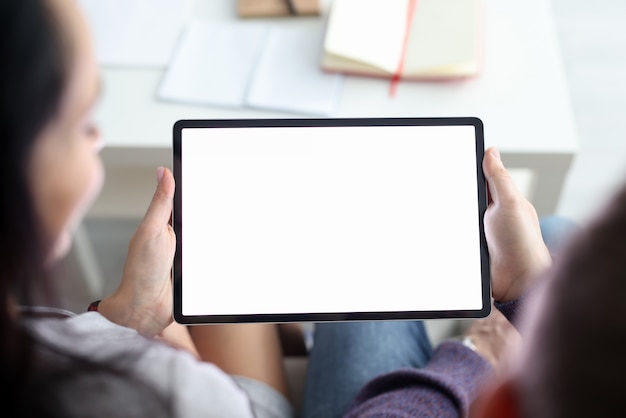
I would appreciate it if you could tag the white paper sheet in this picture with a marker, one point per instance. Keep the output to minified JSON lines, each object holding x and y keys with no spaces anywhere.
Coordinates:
{"x":288,"y":77}
{"x":136,"y":33}
{"x":214,"y":63}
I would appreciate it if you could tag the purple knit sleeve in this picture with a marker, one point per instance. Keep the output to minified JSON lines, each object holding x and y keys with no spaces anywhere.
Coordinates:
{"x":446,"y":387}
{"x":513,"y":310}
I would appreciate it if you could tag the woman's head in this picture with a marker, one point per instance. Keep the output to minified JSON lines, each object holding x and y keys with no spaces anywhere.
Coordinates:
{"x":51,"y":170}
{"x":49,"y":174}
{"x":65,"y":172}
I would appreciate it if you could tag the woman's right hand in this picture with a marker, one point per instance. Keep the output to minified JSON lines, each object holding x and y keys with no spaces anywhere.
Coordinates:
{"x":516,"y":248}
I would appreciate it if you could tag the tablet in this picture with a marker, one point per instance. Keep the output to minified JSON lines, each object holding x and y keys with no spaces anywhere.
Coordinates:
{"x":310,"y":220}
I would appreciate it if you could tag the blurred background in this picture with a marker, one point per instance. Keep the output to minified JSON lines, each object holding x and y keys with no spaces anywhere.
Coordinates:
{"x":550,"y":91}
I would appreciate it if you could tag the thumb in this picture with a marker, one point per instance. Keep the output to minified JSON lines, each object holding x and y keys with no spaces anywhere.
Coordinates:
{"x":160,"y":208}
{"x":499,"y":181}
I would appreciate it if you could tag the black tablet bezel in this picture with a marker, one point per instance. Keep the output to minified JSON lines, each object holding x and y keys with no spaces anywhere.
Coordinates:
{"x":339,"y":316}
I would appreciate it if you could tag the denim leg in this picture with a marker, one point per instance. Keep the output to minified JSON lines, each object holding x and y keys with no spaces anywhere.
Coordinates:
{"x":556,"y":231}
{"x":346,"y":355}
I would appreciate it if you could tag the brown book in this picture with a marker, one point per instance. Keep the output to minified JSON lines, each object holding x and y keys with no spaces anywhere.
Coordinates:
{"x":267,"y":8}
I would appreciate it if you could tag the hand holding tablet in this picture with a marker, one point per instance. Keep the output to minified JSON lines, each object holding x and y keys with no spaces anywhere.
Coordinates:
{"x":329,"y":219}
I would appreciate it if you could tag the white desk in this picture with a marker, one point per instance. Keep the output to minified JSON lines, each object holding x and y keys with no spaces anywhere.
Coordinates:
{"x":521,"y":96}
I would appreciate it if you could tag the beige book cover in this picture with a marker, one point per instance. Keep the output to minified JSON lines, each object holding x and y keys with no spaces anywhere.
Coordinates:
{"x":267,"y":8}
{"x":442,"y":39}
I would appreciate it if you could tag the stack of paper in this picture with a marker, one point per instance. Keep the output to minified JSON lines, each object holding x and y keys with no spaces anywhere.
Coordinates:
{"x":255,"y":65}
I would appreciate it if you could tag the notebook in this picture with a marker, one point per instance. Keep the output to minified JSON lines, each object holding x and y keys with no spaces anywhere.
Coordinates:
{"x":287,"y":77}
{"x":407,"y":39}
{"x":252,"y":65}
{"x":214,"y":63}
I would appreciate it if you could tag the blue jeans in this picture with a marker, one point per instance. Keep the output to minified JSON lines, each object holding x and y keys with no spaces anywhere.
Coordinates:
{"x":347,"y":355}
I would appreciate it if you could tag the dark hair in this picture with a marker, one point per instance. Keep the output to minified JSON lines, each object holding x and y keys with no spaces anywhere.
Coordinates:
{"x":33,"y":74}
{"x":576,"y":364}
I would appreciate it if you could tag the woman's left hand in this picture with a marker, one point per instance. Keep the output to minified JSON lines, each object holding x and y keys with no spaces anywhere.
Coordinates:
{"x":143,"y":300}
{"x":495,"y":339}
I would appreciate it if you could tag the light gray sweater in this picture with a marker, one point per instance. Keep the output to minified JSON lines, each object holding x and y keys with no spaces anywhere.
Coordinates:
{"x":150,"y":371}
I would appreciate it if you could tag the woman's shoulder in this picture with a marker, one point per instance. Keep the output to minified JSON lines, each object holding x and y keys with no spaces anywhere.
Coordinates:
{"x":88,"y":334}
{"x":114,"y":350}
{"x":93,"y":337}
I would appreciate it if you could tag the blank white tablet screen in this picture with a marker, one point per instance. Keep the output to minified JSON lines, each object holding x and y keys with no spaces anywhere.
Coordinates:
{"x":329,"y":219}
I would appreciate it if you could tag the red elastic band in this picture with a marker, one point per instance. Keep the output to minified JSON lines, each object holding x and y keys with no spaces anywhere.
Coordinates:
{"x":398,"y":74}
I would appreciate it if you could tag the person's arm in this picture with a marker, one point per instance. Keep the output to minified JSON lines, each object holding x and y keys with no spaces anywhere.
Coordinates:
{"x":143,"y":300}
{"x":449,"y":383}
{"x":444,"y":388}
{"x":517,"y":252}
{"x":452,"y":380}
